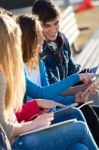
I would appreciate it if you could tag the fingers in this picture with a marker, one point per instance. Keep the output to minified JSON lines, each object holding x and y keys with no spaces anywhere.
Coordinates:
{"x":92,"y":90}
{"x":50,"y":118}
{"x":92,"y":75}
{"x":47,"y":118}
{"x":96,"y":75}
{"x":48,"y":115}
{"x":84,"y":97}
{"x":59,"y":104}
{"x":87,"y":77}
{"x":79,"y":98}
{"x":51,"y":103}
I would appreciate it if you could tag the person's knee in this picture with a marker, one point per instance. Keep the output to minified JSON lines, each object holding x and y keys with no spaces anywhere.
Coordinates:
{"x":78,"y":112}
{"x":78,"y":146}
{"x":81,"y":127}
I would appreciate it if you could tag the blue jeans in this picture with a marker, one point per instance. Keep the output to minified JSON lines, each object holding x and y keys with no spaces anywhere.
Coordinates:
{"x":58,"y":138}
{"x":63,"y":137}
{"x":78,"y":146}
{"x":69,"y":114}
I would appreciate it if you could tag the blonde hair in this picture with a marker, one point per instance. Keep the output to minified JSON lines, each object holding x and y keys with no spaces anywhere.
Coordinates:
{"x":11,"y":63}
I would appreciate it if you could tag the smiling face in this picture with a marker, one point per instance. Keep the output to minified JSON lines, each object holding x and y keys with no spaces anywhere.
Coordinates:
{"x":50,"y":29}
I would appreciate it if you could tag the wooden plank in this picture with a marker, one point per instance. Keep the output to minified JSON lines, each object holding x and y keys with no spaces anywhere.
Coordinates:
{"x":73,"y":37}
{"x":90,"y":53}
{"x":68,"y":18}
{"x":66,"y":12}
{"x":71,"y":32}
{"x":68,"y":25}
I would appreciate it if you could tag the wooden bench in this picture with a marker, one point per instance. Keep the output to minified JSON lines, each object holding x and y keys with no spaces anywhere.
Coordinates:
{"x":68,"y":25}
{"x":89,"y":56}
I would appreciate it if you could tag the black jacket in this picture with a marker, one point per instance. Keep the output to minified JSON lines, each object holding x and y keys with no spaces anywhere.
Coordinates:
{"x":59,"y":63}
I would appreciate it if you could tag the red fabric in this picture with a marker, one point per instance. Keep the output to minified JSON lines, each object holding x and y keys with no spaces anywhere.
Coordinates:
{"x":87,"y":4}
{"x":28,"y":110}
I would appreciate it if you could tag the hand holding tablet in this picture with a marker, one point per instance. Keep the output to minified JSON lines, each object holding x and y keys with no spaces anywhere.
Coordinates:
{"x":94,"y":86}
{"x":59,"y":109}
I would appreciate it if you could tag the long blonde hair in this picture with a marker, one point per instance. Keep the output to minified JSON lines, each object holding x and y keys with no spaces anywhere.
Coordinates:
{"x":11,"y":63}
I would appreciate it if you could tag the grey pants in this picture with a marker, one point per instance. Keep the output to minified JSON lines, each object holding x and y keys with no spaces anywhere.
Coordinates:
{"x":4,"y":143}
{"x":95,"y":99}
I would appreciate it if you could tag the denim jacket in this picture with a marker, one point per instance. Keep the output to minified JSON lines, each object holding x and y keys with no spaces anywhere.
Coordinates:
{"x":59,"y":64}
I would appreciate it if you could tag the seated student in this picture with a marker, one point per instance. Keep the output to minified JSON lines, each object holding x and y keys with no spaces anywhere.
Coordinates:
{"x":56,"y":46}
{"x":12,"y":88}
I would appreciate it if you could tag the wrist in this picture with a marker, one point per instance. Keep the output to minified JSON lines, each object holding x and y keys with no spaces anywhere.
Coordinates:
{"x":81,"y":76}
{"x":38,"y":102}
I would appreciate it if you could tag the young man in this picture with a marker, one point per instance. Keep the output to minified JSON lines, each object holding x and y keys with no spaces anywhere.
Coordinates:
{"x":56,"y":51}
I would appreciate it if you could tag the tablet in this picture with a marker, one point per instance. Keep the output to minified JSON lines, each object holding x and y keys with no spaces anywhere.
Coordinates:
{"x":97,"y":70}
{"x":59,"y":109}
{"x":94,"y":70}
{"x":49,"y":127}
{"x":86,"y":103}
{"x":95,"y":80}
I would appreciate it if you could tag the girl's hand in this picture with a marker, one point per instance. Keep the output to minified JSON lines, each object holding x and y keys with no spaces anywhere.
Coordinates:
{"x":43,"y":120}
{"x":48,"y":104}
{"x":83,"y":98}
{"x":87,"y":77}
{"x":78,"y":98}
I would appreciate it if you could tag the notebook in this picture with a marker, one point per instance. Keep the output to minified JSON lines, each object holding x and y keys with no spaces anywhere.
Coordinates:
{"x":67,"y":122}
